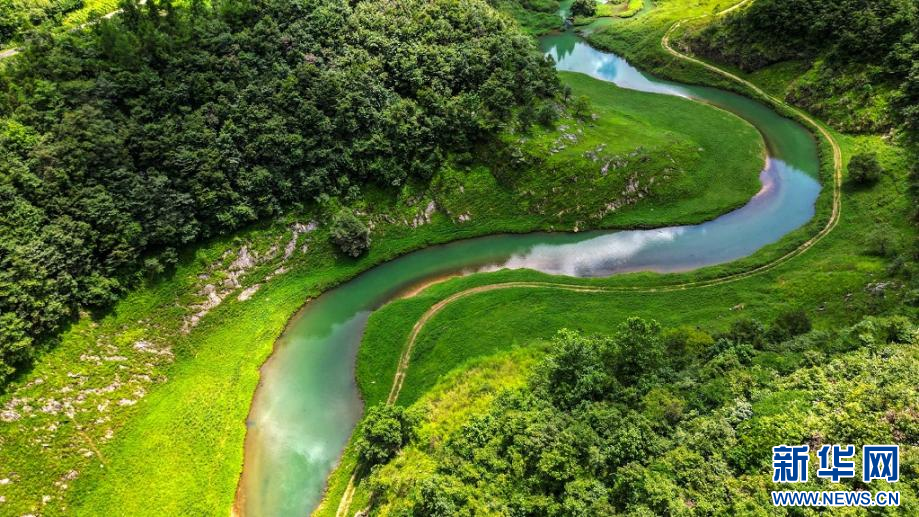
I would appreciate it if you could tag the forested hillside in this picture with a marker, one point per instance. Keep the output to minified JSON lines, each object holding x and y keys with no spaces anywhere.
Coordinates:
{"x":156,"y":128}
{"x":648,"y":421}
{"x":856,"y":62}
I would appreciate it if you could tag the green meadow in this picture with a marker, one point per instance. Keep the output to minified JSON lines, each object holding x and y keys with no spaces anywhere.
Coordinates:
{"x":175,"y":423}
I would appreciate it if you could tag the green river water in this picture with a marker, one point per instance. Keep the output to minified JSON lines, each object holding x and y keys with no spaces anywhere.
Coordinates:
{"x":307,"y":403}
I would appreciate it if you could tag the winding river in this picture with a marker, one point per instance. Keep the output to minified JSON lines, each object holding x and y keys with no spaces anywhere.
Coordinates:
{"x":307,"y":402}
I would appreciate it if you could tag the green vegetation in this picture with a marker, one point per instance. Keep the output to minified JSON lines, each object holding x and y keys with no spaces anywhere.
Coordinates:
{"x":653,"y":422}
{"x":861,"y":55}
{"x":174,"y":396}
{"x":849,"y":274}
{"x":834,"y":283}
{"x":19,"y":18}
{"x":143,"y":406}
{"x":631,"y":9}
{"x":161,"y":126}
{"x":608,"y":9}
{"x":385,"y":431}
{"x":864,"y":169}
{"x":534,"y":16}
{"x":583,"y":8}
{"x":348,"y":233}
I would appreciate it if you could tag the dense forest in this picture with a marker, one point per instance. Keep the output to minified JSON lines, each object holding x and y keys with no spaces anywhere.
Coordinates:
{"x":162,"y":126}
{"x":861,"y":57}
{"x":652,"y":421}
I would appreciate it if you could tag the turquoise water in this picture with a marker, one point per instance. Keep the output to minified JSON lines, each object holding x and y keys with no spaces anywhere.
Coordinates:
{"x":307,"y":403}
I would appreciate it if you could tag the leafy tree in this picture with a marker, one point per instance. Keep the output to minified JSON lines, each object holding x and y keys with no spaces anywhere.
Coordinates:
{"x":574,"y":371}
{"x":581,"y":107}
{"x":439,"y":495}
{"x":789,"y":324}
{"x":166,"y":125}
{"x":617,"y":454}
{"x":583,"y":8}
{"x":747,"y":331}
{"x":385,"y":430}
{"x":348,"y":233}
{"x":637,"y":349}
{"x":864,"y":169}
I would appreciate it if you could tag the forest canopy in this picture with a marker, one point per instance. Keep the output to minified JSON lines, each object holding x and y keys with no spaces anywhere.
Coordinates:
{"x":161,"y":126}
{"x":864,"y":55}
{"x":653,"y":421}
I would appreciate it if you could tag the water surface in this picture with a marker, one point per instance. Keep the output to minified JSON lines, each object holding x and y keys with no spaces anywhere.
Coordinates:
{"x":307,"y":403}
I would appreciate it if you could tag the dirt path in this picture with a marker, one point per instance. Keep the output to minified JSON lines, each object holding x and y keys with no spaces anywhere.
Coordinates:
{"x":405,"y":357}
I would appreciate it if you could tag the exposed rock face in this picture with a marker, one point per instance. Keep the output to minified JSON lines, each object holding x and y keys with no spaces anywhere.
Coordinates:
{"x":248,"y":292}
{"x":245,"y":259}
{"x":425,"y":216}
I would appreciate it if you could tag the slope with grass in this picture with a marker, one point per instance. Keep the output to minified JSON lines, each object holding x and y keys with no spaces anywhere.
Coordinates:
{"x":851,"y":277}
{"x":652,"y":421}
{"x":844,"y":276}
{"x":146,"y":410}
{"x":19,"y":17}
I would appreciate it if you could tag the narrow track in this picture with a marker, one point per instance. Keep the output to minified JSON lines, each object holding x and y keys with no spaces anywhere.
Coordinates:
{"x":836,"y":211}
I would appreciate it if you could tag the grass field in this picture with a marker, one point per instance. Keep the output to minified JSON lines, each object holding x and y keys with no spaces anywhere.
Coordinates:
{"x":828,"y":282}
{"x":132,"y":414}
{"x":831,"y":281}
{"x":633,"y":7}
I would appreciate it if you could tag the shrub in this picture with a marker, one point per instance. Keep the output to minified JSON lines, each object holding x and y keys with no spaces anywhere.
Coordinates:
{"x":581,"y":107}
{"x":864,"y":169}
{"x":788,"y":325}
{"x":881,"y":243}
{"x":583,"y":8}
{"x":385,"y":431}
{"x":348,"y":233}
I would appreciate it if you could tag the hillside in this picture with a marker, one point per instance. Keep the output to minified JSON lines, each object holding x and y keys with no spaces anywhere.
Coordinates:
{"x":650,"y":421}
{"x":854,"y":63}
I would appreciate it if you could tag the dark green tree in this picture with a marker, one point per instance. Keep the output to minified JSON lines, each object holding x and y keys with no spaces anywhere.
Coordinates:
{"x":864,"y":169}
{"x":348,"y":233}
{"x":583,"y":8}
{"x":384,"y":431}
{"x":574,"y":371}
{"x":637,"y":349}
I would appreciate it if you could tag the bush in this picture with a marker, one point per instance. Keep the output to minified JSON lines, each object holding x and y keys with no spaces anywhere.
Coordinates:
{"x":581,"y":107}
{"x":788,"y":325}
{"x":864,"y":169}
{"x":583,"y":8}
{"x":348,"y":233}
{"x":385,"y":431}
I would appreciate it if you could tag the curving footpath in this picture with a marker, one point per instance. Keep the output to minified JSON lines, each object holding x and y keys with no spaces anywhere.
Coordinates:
{"x":405,"y":357}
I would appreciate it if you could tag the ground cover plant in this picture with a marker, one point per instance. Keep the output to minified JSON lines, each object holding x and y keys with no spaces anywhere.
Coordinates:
{"x":160,"y":127}
{"x":154,"y":393}
{"x":164,"y":379}
{"x":652,"y":421}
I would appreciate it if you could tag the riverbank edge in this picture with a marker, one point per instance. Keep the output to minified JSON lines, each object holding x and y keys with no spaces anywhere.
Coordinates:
{"x":827,"y":214}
